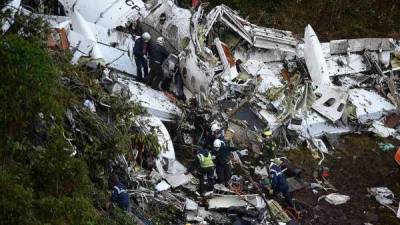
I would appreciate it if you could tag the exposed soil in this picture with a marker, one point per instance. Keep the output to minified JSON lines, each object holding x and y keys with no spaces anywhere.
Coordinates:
{"x":355,"y":165}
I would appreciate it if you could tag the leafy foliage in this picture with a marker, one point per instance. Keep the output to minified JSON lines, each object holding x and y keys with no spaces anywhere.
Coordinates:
{"x":40,"y":182}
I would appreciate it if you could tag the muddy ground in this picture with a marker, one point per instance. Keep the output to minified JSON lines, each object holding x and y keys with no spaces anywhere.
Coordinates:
{"x":355,"y":165}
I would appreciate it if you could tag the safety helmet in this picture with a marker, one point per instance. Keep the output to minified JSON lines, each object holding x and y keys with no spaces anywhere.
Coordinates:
{"x":217,"y":143}
{"x":267,"y":133}
{"x":276,"y":161}
{"x":160,"y":40}
{"x":215,"y":127}
{"x":146,"y":36}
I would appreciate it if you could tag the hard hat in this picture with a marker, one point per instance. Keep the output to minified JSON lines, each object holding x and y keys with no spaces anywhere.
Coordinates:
{"x":215,"y":127}
{"x":267,"y":133}
{"x":276,"y":161}
{"x":146,"y":36}
{"x":160,"y":40}
{"x":217,"y":143}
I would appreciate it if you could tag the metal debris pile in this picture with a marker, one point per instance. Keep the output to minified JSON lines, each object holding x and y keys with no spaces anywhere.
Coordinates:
{"x":246,"y":77}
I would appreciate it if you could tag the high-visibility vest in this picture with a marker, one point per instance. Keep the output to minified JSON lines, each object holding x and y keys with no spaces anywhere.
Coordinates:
{"x":205,"y":161}
{"x":397,"y":156}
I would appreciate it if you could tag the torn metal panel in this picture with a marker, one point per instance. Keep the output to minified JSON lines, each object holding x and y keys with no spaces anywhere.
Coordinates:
{"x":197,"y":74}
{"x":359,"y":45}
{"x":347,"y":63}
{"x":224,"y":54}
{"x":369,"y":105}
{"x":88,"y":39}
{"x":171,"y":22}
{"x":81,"y":26}
{"x":379,"y":128}
{"x":162,"y":186}
{"x":112,"y":37}
{"x":79,"y":45}
{"x":231,"y":19}
{"x":331,"y":102}
{"x":156,"y":103}
{"x":259,"y":37}
{"x":227,"y":60}
{"x":175,"y":173}
{"x":314,"y":57}
{"x":150,"y":124}
{"x":268,"y":38}
{"x":227,"y":201}
{"x":315,"y":125}
{"x":191,"y":205}
{"x":107,"y":13}
{"x":263,"y":55}
{"x":112,"y":57}
{"x":12,"y":8}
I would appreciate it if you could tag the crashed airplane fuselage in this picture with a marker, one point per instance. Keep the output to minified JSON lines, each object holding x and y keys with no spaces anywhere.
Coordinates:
{"x":302,"y":85}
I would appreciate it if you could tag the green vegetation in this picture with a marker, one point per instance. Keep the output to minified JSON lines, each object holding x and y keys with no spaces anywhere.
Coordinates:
{"x":40,"y":181}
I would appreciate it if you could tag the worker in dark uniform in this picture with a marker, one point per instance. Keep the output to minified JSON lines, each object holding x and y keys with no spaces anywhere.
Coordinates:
{"x":215,"y":132}
{"x":278,"y":182}
{"x":119,"y":195}
{"x":268,"y":146}
{"x":140,"y":51}
{"x":223,"y":155}
{"x":157,"y":55}
{"x":204,"y":161}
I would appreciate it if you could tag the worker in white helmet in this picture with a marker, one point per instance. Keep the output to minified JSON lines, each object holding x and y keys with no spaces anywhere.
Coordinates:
{"x":223,"y":163}
{"x":140,"y":51}
{"x":216,"y":132}
{"x":157,"y":55}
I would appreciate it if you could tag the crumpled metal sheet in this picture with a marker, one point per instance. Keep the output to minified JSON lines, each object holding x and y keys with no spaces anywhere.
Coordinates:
{"x":227,"y":201}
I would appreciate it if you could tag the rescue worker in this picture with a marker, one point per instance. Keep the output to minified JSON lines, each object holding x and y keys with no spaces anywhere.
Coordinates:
{"x":119,"y":195}
{"x":278,"y":181}
{"x":204,"y":161}
{"x":140,"y":51}
{"x":216,"y":132}
{"x":223,"y":167}
{"x":157,"y":55}
{"x":268,"y":146}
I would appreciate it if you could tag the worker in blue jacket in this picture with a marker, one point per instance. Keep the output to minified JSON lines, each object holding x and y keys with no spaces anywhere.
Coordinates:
{"x":223,"y":156}
{"x":119,"y":194}
{"x":278,"y":182}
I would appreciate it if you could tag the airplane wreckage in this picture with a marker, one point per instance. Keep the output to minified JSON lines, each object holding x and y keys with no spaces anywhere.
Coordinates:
{"x":242,"y":76}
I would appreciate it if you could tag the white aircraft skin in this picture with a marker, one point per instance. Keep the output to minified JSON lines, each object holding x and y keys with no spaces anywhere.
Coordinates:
{"x":13,"y":7}
{"x":182,"y":26}
{"x":176,"y":29}
{"x":107,"y":13}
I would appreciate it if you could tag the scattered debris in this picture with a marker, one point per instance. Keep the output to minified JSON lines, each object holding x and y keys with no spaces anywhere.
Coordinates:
{"x":382,"y":194}
{"x":250,"y":80}
{"x":162,"y":186}
{"x":90,"y":105}
{"x":384,"y":147}
{"x":335,"y":198}
{"x":226,"y":201}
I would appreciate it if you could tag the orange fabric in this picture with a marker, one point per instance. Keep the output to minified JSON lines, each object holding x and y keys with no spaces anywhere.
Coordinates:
{"x":397,"y":156}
